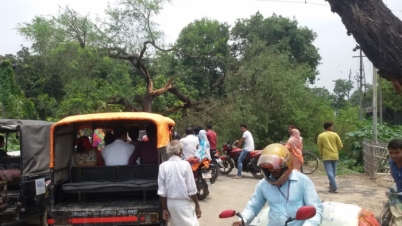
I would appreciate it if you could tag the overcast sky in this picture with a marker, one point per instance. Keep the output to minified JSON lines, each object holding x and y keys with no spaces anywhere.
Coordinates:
{"x":335,"y":47}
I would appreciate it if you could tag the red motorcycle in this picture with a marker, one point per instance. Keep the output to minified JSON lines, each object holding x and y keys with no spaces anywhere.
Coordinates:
{"x":229,"y":161}
{"x":204,"y":177}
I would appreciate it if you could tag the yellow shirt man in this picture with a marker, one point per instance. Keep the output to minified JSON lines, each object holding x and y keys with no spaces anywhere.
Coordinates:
{"x":329,"y":144}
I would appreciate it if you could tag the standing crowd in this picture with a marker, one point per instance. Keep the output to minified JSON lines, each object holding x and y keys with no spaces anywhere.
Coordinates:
{"x":284,"y":188}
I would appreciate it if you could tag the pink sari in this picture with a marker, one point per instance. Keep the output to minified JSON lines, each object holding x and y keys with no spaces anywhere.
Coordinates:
{"x":295,"y":146}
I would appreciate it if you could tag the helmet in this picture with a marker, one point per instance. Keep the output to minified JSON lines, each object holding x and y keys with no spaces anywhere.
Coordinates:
{"x":275,"y":156}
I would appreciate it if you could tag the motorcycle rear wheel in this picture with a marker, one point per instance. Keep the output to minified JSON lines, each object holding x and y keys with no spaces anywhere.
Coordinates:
{"x":256,"y":174}
{"x":228,"y":166}
{"x":216,"y":170}
{"x":202,"y":189}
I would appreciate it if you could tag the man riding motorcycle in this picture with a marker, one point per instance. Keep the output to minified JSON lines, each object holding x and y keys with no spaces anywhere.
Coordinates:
{"x":285,"y":190}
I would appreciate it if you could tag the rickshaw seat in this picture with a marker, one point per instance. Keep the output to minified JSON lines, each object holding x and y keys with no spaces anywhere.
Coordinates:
{"x":112,"y":178}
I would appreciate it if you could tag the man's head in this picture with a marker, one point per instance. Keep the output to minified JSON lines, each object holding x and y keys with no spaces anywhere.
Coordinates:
{"x":175,"y":147}
{"x":109,"y":138}
{"x":1,"y":141}
{"x":151,"y":130}
{"x":120,"y":133}
{"x":243,"y":127}
{"x":275,"y":160}
{"x":133,"y":133}
{"x":290,"y":127}
{"x":328,"y":126}
{"x":208,"y":126}
{"x":189,"y":130}
{"x":196,"y":130}
{"x":395,"y":150}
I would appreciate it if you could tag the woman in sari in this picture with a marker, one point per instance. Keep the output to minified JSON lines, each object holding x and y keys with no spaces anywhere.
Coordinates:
{"x":203,"y":152}
{"x":85,"y":154}
{"x":204,"y":148}
{"x":295,"y":147}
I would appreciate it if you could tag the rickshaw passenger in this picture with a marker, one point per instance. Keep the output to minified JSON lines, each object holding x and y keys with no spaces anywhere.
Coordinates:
{"x":134,"y":133}
{"x":109,"y":138}
{"x":85,"y":154}
{"x":146,"y":150}
{"x":2,"y":152}
{"x":118,"y":152}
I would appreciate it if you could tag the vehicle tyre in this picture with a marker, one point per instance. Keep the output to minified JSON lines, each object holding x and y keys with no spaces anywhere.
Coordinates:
{"x":310,"y":164}
{"x":202,"y":189}
{"x":215,"y":171}
{"x":257,"y":174}
{"x":228,"y":166}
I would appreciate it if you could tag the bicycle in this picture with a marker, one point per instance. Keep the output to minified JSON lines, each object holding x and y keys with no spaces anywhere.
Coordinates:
{"x":310,"y":164}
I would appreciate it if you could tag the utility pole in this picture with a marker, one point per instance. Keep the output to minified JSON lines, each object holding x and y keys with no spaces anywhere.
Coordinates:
{"x":350,"y":74}
{"x":375,"y":105}
{"x":360,"y":81}
{"x":380,"y":97}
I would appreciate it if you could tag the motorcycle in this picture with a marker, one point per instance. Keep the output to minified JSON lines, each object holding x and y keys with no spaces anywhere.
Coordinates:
{"x":387,"y":216}
{"x":217,"y":163}
{"x":204,"y":177}
{"x":303,"y":213}
{"x":230,"y":160}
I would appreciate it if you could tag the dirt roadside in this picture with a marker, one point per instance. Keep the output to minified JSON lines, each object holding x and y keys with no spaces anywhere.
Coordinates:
{"x":229,"y":193}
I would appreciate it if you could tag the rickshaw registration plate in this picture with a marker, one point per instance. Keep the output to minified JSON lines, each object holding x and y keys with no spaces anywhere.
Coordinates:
{"x":206,"y":175}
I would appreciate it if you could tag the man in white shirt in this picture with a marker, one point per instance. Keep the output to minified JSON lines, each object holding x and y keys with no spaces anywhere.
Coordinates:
{"x":248,"y":140}
{"x":176,"y":186}
{"x":190,"y":143}
{"x":118,"y":152}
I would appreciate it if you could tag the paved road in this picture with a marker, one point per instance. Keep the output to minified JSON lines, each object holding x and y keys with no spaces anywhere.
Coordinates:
{"x":226,"y":193}
{"x":229,"y":193}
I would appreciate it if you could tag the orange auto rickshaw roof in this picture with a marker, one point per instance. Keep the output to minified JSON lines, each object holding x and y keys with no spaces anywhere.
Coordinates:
{"x":163,"y":124}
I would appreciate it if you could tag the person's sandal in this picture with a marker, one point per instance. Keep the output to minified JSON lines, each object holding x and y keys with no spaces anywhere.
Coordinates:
{"x":236,"y":177}
{"x":333,"y":191}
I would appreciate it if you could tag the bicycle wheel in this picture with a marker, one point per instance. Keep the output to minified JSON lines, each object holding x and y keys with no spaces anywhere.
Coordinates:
{"x":310,"y":164}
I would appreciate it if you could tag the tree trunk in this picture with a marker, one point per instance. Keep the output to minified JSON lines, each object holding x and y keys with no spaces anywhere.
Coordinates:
{"x":378,"y":32}
{"x":146,"y":103}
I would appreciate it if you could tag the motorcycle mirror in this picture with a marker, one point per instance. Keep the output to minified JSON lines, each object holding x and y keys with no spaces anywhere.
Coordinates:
{"x":227,"y":214}
{"x":305,"y":212}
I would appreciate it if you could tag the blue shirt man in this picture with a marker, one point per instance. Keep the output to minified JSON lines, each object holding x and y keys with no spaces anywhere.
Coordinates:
{"x":285,"y":200}
{"x":396,"y":174}
{"x":395,"y":163}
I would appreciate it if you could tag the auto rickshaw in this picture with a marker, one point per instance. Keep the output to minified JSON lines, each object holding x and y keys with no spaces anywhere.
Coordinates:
{"x":104,"y":195}
{"x":25,"y":172}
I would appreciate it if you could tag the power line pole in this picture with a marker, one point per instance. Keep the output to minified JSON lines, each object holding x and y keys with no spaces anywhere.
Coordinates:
{"x":375,"y":105}
{"x":380,"y":97}
{"x":350,"y":74}
{"x":360,"y":81}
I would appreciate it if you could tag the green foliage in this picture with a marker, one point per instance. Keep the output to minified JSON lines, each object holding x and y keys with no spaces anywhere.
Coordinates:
{"x":355,"y":138}
{"x":341,"y":92}
{"x":267,"y":93}
{"x":391,"y":99}
{"x":13,"y":102}
{"x":280,"y":33}
{"x":208,"y":39}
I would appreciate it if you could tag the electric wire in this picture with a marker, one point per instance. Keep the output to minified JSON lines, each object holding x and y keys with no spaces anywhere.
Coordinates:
{"x":302,"y":2}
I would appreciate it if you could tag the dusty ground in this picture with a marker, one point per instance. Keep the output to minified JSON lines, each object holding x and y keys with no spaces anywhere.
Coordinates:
{"x":228,"y":193}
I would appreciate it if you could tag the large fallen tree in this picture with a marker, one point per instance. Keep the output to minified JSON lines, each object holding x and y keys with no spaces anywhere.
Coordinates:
{"x":378,"y":32}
